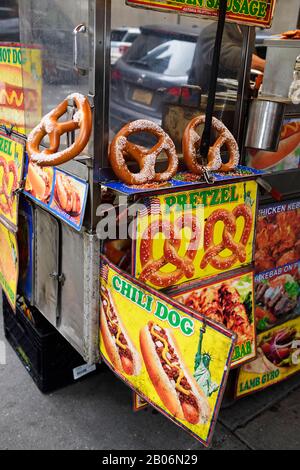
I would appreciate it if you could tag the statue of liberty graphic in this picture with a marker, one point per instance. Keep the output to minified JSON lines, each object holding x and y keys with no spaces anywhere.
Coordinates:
{"x":202,"y":373}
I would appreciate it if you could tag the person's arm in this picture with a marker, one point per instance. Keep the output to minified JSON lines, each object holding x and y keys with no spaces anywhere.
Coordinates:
{"x":258,"y":63}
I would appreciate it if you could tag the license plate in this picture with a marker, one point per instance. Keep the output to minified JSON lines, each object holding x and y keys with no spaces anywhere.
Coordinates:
{"x":142,"y":96}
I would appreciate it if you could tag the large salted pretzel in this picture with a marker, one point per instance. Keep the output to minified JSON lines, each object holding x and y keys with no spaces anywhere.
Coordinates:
{"x":51,"y":126}
{"x":153,"y":268}
{"x":238,"y":248}
{"x":9,"y":168}
{"x":191,"y":143}
{"x":122,"y":150}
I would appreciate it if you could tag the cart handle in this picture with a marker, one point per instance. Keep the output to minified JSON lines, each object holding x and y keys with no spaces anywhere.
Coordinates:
{"x":81,"y":28}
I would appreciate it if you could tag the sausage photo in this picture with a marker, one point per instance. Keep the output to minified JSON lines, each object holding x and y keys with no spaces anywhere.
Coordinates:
{"x":289,"y":141}
{"x":119,"y":347}
{"x":174,"y":384}
{"x":39,"y":182}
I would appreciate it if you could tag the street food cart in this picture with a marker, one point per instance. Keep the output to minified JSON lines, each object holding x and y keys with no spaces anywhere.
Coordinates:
{"x":132,"y":233}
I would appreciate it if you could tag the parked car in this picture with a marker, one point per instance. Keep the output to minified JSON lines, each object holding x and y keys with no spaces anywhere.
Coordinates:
{"x":121,"y":40}
{"x":160,"y":58}
{"x":9,"y":21}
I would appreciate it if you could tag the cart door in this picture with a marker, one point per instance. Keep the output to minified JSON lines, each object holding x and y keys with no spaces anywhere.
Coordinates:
{"x":46,"y":264}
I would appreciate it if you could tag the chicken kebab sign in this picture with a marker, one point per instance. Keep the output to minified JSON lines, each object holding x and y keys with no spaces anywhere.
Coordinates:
{"x":175,"y":359}
{"x":277,"y":264}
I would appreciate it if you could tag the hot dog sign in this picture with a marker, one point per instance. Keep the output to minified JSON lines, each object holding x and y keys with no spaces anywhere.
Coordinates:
{"x":192,"y":235}
{"x":173,"y":358}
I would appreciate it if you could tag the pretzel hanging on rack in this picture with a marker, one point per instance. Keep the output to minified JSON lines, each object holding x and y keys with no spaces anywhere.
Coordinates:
{"x":191,"y":144}
{"x":50,"y":125}
{"x":122,"y":150}
{"x":238,"y":248}
{"x":6,"y":193}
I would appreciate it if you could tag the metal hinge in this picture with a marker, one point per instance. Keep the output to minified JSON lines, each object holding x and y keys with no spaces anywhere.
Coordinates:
{"x":58,"y":277}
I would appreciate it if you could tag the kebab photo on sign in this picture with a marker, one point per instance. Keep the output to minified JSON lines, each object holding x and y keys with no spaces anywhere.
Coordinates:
{"x":229,"y":302}
{"x":277,"y":298}
{"x":277,"y":239}
{"x":278,"y":349}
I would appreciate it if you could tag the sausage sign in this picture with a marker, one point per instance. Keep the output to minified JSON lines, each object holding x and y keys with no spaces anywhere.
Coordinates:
{"x":11,"y":174}
{"x":197,"y":234}
{"x":174,"y":359}
{"x":250,"y":12}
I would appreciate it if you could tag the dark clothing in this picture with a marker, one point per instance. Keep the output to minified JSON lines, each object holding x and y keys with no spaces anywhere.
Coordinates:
{"x":230,"y":60}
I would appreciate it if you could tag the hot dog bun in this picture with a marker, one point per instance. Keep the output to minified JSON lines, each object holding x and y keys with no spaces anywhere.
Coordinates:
{"x":290,"y":139}
{"x":166,"y":389}
{"x":122,"y":364}
{"x":39,"y":182}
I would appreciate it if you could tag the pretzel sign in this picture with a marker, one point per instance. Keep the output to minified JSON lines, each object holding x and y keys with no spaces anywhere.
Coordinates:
{"x":8,"y":193}
{"x":184,"y":265}
{"x":50,"y":126}
{"x":191,"y":145}
{"x":122,"y":150}
{"x":238,"y":249}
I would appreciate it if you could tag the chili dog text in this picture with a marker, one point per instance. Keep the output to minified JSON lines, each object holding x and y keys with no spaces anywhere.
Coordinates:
{"x":175,"y":386}
{"x":119,"y":347}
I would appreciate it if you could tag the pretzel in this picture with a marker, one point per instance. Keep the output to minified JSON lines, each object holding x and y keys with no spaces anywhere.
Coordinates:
{"x":191,"y":144}
{"x":8,"y":169}
{"x":238,"y":249}
{"x":122,"y":150}
{"x":152,"y":268}
{"x":50,"y":126}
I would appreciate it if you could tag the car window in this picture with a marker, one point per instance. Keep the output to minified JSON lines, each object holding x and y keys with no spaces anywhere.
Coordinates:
{"x":117,"y":35}
{"x":161,"y":54}
{"x":130,"y":37}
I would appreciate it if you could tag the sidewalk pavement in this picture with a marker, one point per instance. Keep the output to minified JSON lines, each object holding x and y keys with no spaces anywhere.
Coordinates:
{"x":96,"y":413}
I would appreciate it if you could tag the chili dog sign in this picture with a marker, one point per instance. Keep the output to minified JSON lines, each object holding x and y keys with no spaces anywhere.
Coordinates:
{"x":250,"y":12}
{"x":175,"y":360}
{"x":192,"y":235}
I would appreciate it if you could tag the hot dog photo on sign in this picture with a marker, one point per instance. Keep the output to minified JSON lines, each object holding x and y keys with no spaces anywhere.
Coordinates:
{"x":288,"y":154}
{"x":164,"y":352}
{"x":192,"y":235}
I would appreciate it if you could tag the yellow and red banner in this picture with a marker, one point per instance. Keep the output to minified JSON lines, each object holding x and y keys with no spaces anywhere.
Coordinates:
{"x":278,"y":358}
{"x":9,"y":264}
{"x":20,"y":87}
{"x":230,"y":302}
{"x":191,"y":235}
{"x":250,"y":12}
{"x":175,"y":359}
{"x":11,"y":174}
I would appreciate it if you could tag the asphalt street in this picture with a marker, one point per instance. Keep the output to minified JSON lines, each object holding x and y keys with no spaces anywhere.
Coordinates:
{"x":96,"y":413}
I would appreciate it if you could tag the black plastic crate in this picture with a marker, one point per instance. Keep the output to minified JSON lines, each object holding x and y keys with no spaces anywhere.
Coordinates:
{"x":46,"y":355}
